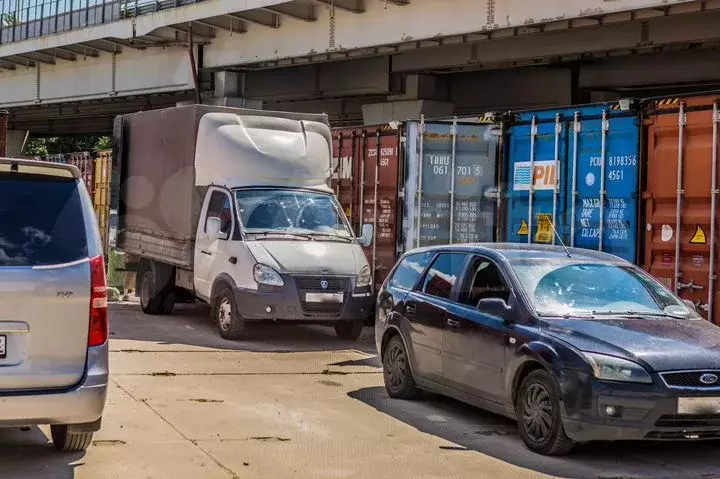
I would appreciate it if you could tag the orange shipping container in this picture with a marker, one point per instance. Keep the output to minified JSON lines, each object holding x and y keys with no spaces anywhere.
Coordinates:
{"x":101,"y":194}
{"x":681,"y":199}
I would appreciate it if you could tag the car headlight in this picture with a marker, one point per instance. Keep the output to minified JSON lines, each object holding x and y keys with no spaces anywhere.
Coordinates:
{"x":264,"y":274}
{"x":364,"y":278}
{"x":610,"y":368}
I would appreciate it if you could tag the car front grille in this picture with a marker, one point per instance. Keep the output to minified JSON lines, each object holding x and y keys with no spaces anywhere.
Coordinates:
{"x":314,"y":284}
{"x":691,"y":379}
{"x":689,"y":420}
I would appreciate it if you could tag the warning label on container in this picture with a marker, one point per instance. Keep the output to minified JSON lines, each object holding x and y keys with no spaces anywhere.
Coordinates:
{"x":699,"y":236}
{"x":523,"y":231}
{"x":544,"y":232}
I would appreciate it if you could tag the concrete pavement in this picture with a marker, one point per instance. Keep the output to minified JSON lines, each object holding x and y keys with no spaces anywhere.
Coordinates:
{"x":295,"y":402}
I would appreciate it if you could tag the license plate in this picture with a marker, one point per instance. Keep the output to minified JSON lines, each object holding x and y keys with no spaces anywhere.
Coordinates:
{"x":3,"y":346}
{"x":323,"y":297}
{"x":708,"y":405}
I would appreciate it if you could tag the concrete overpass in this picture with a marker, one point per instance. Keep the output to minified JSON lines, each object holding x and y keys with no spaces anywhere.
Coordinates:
{"x":72,"y":70}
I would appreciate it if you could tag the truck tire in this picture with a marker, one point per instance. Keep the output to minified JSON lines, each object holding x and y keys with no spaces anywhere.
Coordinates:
{"x":67,"y":441}
{"x":151,"y":300}
{"x":349,"y":329}
{"x":231,"y":324}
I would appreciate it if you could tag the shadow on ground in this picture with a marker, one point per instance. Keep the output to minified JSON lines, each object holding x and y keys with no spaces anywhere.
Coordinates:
{"x":473,"y":429}
{"x":191,"y":325}
{"x":27,"y":453}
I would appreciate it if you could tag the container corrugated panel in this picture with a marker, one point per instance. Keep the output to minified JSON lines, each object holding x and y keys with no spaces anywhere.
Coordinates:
{"x":451,"y":183}
{"x":681,"y":210}
{"x":583,"y":163}
{"x":101,"y":194}
{"x":368,"y":170}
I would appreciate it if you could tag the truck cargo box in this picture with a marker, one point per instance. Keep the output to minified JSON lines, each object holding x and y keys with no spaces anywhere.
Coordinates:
{"x":155,"y":155}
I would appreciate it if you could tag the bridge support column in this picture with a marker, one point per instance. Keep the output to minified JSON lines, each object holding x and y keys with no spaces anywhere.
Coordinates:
{"x":422,"y":95}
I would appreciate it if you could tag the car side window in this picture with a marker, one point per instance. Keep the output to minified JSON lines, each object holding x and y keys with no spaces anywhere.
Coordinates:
{"x":220,"y":207}
{"x":442,"y":275}
{"x":483,"y":281}
{"x":410,"y":269}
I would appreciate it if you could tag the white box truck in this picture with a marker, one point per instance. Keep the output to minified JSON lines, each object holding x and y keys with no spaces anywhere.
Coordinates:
{"x":234,"y":207}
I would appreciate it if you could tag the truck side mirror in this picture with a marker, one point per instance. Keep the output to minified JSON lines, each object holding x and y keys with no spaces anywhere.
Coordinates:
{"x":212,"y":228}
{"x":366,"y":238}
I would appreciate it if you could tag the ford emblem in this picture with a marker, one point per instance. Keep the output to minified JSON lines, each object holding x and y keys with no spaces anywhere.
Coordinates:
{"x":324,"y":285}
{"x":708,"y":378}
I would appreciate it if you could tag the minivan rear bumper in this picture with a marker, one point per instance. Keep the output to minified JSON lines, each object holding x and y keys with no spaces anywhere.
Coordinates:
{"x":82,"y":404}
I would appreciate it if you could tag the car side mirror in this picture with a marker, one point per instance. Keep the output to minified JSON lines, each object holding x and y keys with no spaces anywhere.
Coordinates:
{"x":690,"y":305}
{"x":213,"y":229}
{"x":493,"y":306}
{"x":366,"y":238}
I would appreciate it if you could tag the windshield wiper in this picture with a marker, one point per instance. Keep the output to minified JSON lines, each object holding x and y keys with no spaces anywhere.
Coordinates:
{"x":638,"y":314}
{"x":282,"y":234}
{"x":328,"y":235}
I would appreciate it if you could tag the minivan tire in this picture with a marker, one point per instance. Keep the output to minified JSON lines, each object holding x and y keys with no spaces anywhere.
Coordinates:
{"x":67,"y":441}
{"x":349,"y":329}
{"x":398,"y":377}
{"x":539,"y":392}
{"x":230,"y":323}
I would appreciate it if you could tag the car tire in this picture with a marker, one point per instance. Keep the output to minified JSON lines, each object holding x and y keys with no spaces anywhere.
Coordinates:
{"x":230,"y":323}
{"x":537,"y":408}
{"x":399,"y":381}
{"x":349,"y":329}
{"x":67,"y":441}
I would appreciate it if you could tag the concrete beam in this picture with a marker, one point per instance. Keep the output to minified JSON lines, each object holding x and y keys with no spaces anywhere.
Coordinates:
{"x":352,"y":6}
{"x":263,"y":19}
{"x":380,"y":113}
{"x":298,"y":11}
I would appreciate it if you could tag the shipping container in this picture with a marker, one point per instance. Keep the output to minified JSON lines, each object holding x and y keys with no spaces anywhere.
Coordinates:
{"x":449,"y":196}
{"x":681,"y":198}
{"x":569,"y":167}
{"x":101,"y":194}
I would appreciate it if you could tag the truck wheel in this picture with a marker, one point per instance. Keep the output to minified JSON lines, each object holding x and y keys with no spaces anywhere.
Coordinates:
{"x":349,"y":329}
{"x":168,"y":300}
{"x":67,"y":441}
{"x":151,"y":300}
{"x":231,"y":325}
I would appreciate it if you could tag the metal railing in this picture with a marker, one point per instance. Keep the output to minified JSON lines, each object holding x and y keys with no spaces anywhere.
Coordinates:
{"x":25,"y":19}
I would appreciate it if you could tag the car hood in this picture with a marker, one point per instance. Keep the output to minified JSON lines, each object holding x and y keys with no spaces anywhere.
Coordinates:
{"x":660,"y":344}
{"x":309,"y":257}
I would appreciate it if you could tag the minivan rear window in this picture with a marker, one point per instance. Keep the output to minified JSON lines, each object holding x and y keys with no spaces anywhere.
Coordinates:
{"x":41,"y":221}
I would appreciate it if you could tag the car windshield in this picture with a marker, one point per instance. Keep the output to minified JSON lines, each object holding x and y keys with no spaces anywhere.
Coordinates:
{"x":291,"y":212}
{"x":568,"y":287}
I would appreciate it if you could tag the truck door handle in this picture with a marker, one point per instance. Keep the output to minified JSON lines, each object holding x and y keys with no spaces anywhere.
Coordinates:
{"x":206,"y":252}
{"x":453,"y":324}
{"x":410,"y":310}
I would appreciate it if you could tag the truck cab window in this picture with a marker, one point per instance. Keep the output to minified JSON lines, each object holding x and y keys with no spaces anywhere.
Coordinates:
{"x":220,"y":207}
{"x":483,"y":281}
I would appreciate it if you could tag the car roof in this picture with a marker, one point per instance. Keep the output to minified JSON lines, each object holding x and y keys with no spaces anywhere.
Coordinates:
{"x":515,"y":251}
{"x":40,"y":168}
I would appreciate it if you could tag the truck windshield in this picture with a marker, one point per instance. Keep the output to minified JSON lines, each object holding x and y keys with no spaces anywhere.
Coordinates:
{"x":291,"y":212}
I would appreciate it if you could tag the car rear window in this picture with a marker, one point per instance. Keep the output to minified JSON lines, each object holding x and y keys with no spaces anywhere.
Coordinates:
{"x":41,"y":221}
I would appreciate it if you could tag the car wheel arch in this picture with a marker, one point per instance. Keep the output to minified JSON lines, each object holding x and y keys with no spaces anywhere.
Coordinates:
{"x":389,"y":333}
{"x":536,"y":356}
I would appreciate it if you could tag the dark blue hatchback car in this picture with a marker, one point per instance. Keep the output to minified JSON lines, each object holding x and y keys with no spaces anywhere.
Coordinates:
{"x":575,"y":345}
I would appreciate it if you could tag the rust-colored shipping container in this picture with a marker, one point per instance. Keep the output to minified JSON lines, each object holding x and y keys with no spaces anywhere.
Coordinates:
{"x":681,"y":198}
{"x":85,"y":162}
{"x":101,"y":194}
{"x":373,"y":154}
{"x":3,"y":132}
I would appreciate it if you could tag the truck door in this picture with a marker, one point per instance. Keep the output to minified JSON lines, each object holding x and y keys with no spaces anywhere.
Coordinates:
{"x":210,"y":251}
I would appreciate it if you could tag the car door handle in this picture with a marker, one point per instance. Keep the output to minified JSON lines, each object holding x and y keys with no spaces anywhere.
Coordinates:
{"x":410,"y":310}
{"x":453,"y":324}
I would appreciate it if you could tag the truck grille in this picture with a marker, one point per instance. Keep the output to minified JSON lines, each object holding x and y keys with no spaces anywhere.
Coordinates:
{"x":691,"y":379}
{"x":314,"y":284}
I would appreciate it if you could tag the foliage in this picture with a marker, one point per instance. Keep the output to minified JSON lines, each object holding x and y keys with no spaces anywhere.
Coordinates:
{"x":66,"y":144}
{"x":9,"y":19}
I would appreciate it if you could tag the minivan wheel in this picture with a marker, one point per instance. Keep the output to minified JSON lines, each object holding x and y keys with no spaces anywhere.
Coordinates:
{"x":231,"y":324}
{"x":349,"y":329}
{"x":537,"y":408}
{"x":67,"y":441}
{"x":397,"y":375}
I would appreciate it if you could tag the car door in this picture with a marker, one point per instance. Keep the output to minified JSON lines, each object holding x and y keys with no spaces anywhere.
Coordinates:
{"x":474,"y":341}
{"x":425,"y":309}
{"x":209,"y":252}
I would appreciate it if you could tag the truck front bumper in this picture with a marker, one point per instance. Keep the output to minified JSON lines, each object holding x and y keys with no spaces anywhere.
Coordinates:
{"x":287,"y":303}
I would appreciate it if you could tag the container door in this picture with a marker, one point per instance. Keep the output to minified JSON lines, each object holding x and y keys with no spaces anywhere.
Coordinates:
{"x":603,"y":178}
{"x":380,"y":170}
{"x":344,"y":147}
{"x":451,"y":183}
{"x":681,"y":200}
{"x":536,"y":155}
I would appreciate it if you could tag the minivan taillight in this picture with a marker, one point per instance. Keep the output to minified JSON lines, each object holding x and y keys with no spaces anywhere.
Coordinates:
{"x":98,"y":303}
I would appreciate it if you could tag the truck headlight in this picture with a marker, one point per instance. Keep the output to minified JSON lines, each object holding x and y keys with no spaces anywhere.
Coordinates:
{"x":264,"y":274}
{"x":610,"y":368}
{"x":364,"y":278}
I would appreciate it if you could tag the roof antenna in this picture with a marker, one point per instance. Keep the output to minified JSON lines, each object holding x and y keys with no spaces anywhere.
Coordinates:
{"x":567,"y":251}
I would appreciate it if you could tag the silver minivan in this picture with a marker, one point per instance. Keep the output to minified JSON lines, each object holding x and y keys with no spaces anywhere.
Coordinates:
{"x":53,"y":303}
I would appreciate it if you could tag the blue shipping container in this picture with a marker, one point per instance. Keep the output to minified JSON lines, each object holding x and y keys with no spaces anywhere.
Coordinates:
{"x":572,"y":154}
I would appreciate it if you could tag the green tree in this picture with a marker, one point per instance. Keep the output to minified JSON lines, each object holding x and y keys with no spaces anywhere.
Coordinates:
{"x":10,"y":19}
{"x":36,"y":146}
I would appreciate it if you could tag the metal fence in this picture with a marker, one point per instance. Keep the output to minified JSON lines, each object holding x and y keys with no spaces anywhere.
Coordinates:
{"x":24,"y":19}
